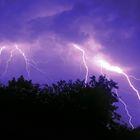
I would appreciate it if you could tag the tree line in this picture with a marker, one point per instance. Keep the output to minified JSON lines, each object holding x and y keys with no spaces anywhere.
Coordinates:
{"x":65,"y":107}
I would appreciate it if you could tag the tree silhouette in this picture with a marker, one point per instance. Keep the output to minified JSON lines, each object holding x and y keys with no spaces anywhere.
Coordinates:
{"x":63,"y":105}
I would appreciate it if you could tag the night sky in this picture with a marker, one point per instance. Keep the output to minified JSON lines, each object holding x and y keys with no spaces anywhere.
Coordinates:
{"x":37,"y":37}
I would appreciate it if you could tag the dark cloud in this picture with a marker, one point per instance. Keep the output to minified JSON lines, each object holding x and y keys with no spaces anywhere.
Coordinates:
{"x":30,"y":19}
{"x":15,"y":15}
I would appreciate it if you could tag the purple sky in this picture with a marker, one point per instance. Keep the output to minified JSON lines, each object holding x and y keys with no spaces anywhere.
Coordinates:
{"x":46,"y":29}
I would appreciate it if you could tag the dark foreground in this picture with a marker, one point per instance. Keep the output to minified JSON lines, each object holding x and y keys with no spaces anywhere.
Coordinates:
{"x":66,"y":110}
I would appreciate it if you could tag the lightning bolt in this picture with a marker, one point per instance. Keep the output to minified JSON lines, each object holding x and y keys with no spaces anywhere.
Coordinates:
{"x":105,"y":64}
{"x":126,"y":109}
{"x":131,"y":85}
{"x":28,"y":62}
{"x":118,"y":70}
{"x":25,"y":59}
{"x":84,"y":60}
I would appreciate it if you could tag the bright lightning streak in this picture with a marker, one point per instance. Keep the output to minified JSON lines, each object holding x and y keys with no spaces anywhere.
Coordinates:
{"x":28,"y":62}
{"x":131,"y":85}
{"x":107,"y":66}
{"x":116,"y":69}
{"x":126,"y":109}
{"x":84,"y":60}
{"x":25,"y":58}
{"x":104,"y":64}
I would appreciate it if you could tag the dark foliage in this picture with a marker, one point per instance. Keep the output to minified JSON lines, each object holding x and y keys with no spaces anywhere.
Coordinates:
{"x":66,"y":108}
